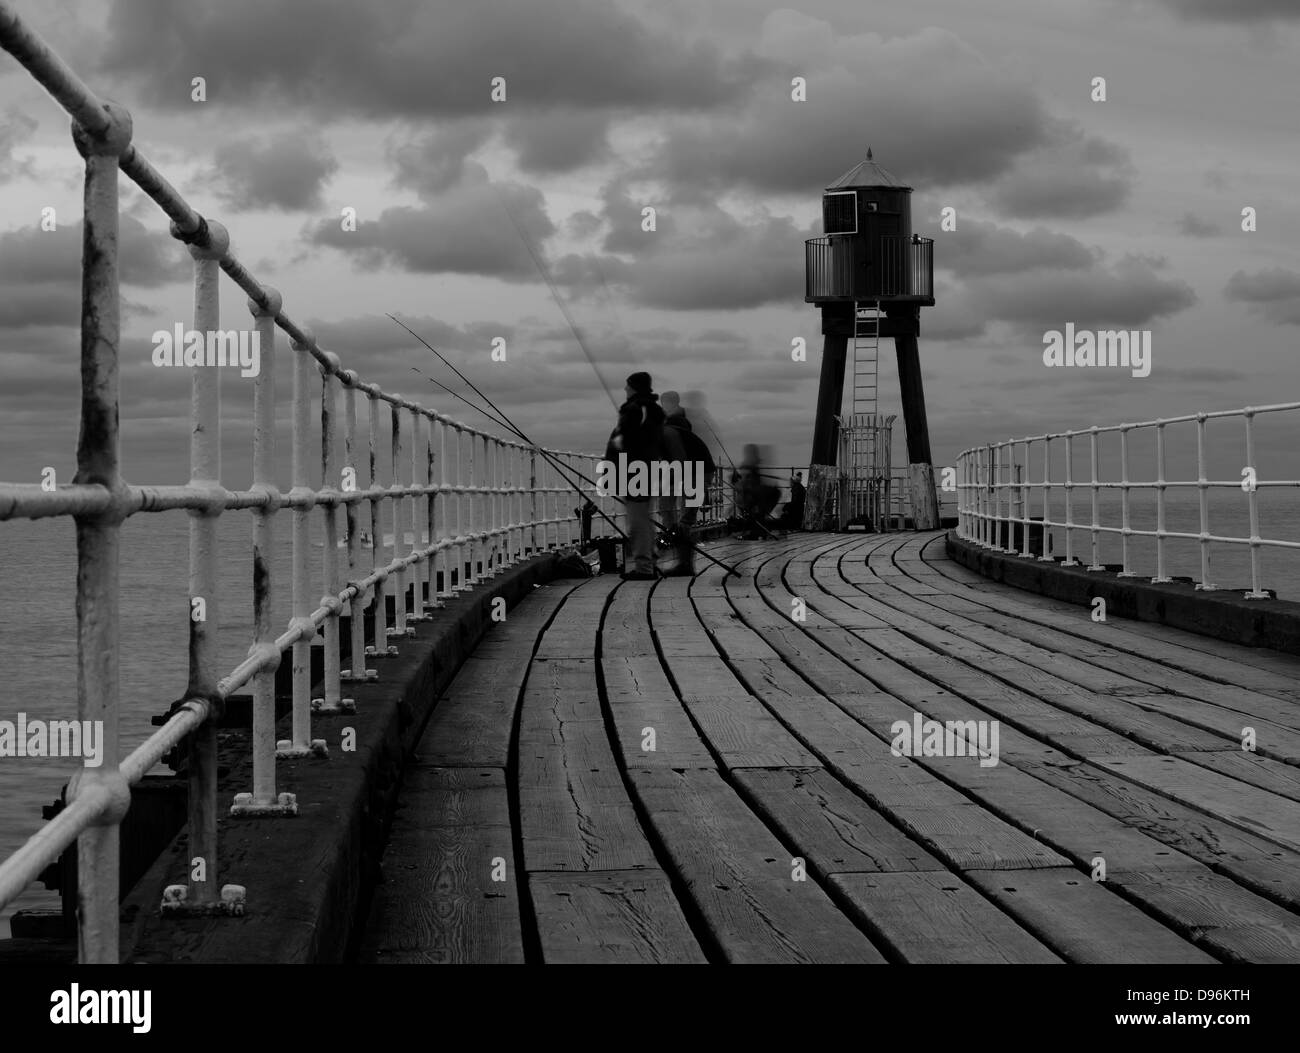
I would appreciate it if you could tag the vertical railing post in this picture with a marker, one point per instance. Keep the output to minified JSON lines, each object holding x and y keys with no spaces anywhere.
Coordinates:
{"x":381,"y":648}
{"x":1069,"y":560}
{"x":1045,"y":556}
{"x":533,"y":516}
{"x":328,"y":498}
{"x":1203,"y":489}
{"x":356,"y":671}
{"x":263,"y":800}
{"x":461,"y":548}
{"x":400,"y":627}
{"x":443,"y":509}
{"x":1095,"y":564}
{"x":433,"y":457}
{"x":304,"y":498}
{"x":205,"y":471}
{"x":490,"y":503}
{"x":1126,"y":527}
{"x":418,"y":454}
{"x":474,"y":476}
{"x":98,"y":539}
{"x":1161,"y":575}
{"x":1252,"y":497}
{"x":1024,"y":502}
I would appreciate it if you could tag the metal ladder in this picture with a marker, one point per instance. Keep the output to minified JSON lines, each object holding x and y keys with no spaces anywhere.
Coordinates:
{"x":866,"y":357}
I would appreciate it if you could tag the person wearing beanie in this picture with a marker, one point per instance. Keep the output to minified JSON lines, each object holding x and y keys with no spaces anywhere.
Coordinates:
{"x":639,"y":435}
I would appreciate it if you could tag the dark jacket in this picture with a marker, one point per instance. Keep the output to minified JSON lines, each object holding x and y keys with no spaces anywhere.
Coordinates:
{"x":640,"y":430}
{"x":685,"y":445}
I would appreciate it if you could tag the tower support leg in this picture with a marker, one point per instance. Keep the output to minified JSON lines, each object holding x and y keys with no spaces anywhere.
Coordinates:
{"x":920,"y":468}
{"x":830,"y":397}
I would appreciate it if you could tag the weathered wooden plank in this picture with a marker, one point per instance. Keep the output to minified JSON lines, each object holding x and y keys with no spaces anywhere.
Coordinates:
{"x":835,"y":830}
{"x":1047,"y":813}
{"x":967,"y":837}
{"x":468,"y":732}
{"x":569,"y":641}
{"x":1217,"y":914}
{"x":626,"y":631}
{"x":705,"y":676}
{"x":611,"y":918}
{"x":1272,"y":740}
{"x":1267,"y":774}
{"x":639,"y":678}
{"x":1264,"y":866}
{"x":740,"y":877}
{"x":1248,"y":807}
{"x":438,"y":901}
{"x":676,"y":744}
{"x":936,"y":918}
{"x":745,"y":735}
{"x":766,"y":677}
{"x":1083,"y":920}
{"x":1256,"y":668}
{"x":559,"y":690}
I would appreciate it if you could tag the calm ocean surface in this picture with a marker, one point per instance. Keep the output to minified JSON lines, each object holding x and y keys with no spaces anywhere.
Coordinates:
{"x":38,"y":620}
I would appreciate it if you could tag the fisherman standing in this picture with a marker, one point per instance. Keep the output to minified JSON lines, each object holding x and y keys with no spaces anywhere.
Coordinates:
{"x":639,"y":435}
{"x":684,"y":446}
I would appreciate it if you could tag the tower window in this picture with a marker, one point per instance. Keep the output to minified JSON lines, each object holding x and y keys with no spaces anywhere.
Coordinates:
{"x":840,"y":212}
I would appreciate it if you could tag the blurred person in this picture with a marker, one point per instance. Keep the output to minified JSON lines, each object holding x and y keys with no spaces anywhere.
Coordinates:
{"x":639,"y":434}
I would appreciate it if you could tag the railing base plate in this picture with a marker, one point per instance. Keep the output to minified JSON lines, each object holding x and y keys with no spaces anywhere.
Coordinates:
{"x":176,"y":905}
{"x":286,"y":750}
{"x":245,"y":808}
{"x":343,"y":705}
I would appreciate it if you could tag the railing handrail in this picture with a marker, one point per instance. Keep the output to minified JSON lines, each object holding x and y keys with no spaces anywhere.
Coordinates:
{"x":495,"y":482}
{"x":994,"y":482}
{"x":1186,"y":418}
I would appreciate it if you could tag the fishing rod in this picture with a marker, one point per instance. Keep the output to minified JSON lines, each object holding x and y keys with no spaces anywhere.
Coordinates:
{"x":559,"y":466}
{"x":495,"y":420}
{"x":573,"y":328}
{"x":500,"y":418}
{"x":555,"y":295}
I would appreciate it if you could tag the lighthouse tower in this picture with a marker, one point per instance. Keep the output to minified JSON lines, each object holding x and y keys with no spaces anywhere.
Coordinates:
{"x":870,"y":276}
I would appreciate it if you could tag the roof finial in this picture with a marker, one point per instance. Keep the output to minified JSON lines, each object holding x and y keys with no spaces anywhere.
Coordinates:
{"x":868,"y":153}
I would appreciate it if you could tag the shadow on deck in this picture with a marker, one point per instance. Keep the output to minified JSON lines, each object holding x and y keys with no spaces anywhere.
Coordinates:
{"x":681,"y":771}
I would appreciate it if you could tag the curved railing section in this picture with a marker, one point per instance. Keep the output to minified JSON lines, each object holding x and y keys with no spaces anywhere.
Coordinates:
{"x":995,"y":505}
{"x":473,"y":503}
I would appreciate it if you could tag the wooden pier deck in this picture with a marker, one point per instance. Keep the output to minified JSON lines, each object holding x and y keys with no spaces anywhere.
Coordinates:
{"x":681,"y":772}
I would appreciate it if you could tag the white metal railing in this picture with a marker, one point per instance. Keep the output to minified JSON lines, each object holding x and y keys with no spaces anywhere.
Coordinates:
{"x":994,"y":484}
{"x":474,"y":503}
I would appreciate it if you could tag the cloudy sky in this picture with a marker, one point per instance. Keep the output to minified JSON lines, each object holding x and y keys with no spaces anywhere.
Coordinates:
{"x":1123,"y":213}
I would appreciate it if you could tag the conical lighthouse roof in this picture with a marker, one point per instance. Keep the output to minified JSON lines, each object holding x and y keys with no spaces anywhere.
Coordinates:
{"x":867,"y":174}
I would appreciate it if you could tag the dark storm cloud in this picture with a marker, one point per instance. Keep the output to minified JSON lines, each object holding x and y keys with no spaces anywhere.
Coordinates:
{"x":436,"y":161}
{"x":412,"y":58}
{"x":557,"y":140}
{"x":589,"y":276}
{"x":717,"y":262}
{"x":286,"y":172}
{"x":1129,"y":294}
{"x":1195,"y":227}
{"x":146,"y":257}
{"x":933,"y":109}
{"x":40,"y":271}
{"x":1233,"y":10}
{"x":624,"y":217}
{"x":15,"y":127}
{"x":465,"y":230}
{"x":976,"y":247}
{"x":1272,"y":293}
{"x":1072,"y":176}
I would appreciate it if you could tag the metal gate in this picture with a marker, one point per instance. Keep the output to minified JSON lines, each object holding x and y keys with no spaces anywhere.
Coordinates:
{"x":865,"y":453}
